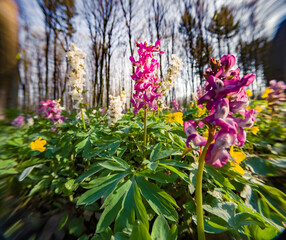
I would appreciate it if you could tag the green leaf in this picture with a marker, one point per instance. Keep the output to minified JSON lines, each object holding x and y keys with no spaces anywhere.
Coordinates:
{"x":104,"y":235}
{"x":86,"y":149}
{"x":102,"y":187}
{"x":159,"y":200}
{"x":89,"y":173}
{"x":158,"y":176}
{"x":157,"y":153}
{"x":218,"y":177}
{"x":119,"y":161}
{"x":70,"y":185}
{"x":6,"y":164}
{"x":180,"y":173}
{"x":121,"y":236}
{"x":263,"y":234}
{"x":63,"y":221}
{"x":7,"y":172}
{"x":140,"y":232}
{"x":226,"y":211}
{"x":112,"y":146}
{"x":132,"y":205}
{"x":39,"y":186}
{"x":160,"y":229}
{"x":112,"y":205}
{"x":112,"y":166}
{"x":79,"y":146}
{"x":177,"y":164}
{"x":246,"y":218}
{"x":274,"y":197}
{"x":76,"y":226}
{"x":260,"y":166}
{"x":215,"y":225}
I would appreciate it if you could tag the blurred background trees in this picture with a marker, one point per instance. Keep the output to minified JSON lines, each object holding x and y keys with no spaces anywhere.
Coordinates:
{"x":107,"y":30}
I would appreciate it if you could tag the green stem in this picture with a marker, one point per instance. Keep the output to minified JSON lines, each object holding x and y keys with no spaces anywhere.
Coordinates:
{"x":145,"y":132}
{"x":83,"y":122}
{"x":198,"y":194}
{"x":145,"y":126}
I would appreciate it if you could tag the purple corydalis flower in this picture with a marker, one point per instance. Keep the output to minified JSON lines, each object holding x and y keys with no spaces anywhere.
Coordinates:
{"x":224,"y":96}
{"x":145,"y":77}
{"x":19,"y":121}
{"x":217,"y":154}
{"x":193,"y":135}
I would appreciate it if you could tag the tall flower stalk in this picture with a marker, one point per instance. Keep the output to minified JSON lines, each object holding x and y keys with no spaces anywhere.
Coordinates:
{"x":76,"y":78}
{"x":224,"y":96}
{"x":146,"y":80}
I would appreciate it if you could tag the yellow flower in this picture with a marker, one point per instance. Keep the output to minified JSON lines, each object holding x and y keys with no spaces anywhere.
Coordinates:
{"x":175,"y":117}
{"x":254,"y":130}
{"x":267,"y":91}
{"x":202,"y":111}
{"x":247,"y":108}
{"x":238,"y":157}
{"x":248,"y":93}
{"x":206,"y":134}
{"x":38,"y":145}
{"x":258,"y":108}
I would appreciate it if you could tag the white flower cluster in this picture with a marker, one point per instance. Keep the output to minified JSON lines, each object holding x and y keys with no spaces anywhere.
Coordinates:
{"x":76,"y":76}
{"x":58,"y":105}
{"x":173,"y":72}
{"x":115,"y":108}
{"x":93,"y":113}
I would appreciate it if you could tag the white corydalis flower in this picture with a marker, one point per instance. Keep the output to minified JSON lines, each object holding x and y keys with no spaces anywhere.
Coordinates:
{"x":30,"y":121}
{"x":76,"y":77}
{"x":115,"y":108}
{"x":173,"y":72}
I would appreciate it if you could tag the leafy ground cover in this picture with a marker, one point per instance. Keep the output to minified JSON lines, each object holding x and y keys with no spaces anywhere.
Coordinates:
{"x":93,"y":183}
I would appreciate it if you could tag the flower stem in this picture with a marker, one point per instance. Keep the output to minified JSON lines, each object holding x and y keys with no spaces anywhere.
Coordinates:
{"x":145,"y":126}
{"x":145,"y":132}
{"x":198,"y":194}
{"x":83,"y":122}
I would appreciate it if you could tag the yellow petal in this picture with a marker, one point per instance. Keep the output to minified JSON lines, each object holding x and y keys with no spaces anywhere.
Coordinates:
{"x":237,"y":156}
{"x":258,"y":108}
{"x":32,"y":145}
{"x":248,"y":93}
{"x":254,"y":130}
{"x":235,"y":167}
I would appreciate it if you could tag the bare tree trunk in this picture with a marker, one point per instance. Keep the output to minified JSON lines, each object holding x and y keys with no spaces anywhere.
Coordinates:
{"x":8,"y":52}
{"x":55,"y":74}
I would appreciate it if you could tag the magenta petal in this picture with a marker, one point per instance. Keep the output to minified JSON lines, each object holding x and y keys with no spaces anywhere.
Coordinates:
{"x":227,"y":61}
{"x":193,"y":135}
{"x":247,"y":79}
{"x":216,"y":158}
{"x":241,"y":137}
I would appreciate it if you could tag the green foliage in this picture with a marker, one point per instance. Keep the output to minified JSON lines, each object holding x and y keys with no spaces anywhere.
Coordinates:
{"x":107,"y":185}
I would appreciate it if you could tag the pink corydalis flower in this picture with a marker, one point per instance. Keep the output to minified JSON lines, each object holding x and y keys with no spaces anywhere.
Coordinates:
{"x":277,"y":94}
{"x":224,"y":96}
{"x":146,"y":77}
{"x":227,"y":62}
{"x":52,"y":110}
{"x":175,"y":104}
